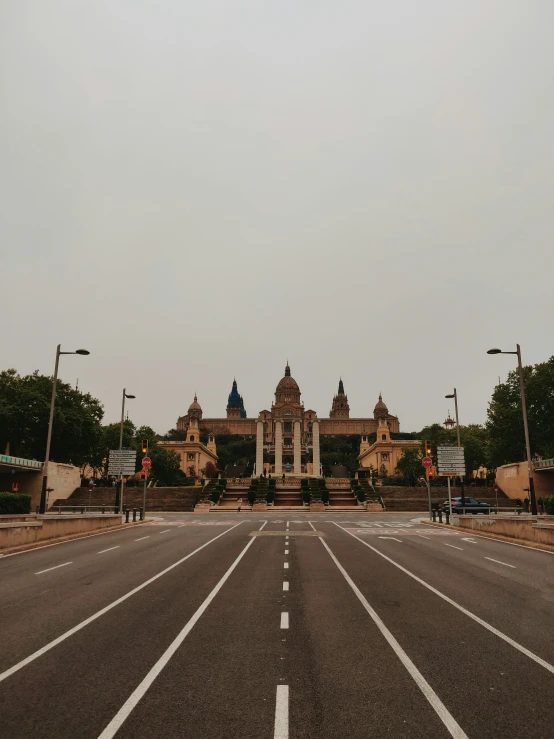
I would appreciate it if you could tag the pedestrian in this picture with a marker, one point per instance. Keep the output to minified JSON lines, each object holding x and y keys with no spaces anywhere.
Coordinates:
{"x":526,"y":505}
{"x":265,"y":472}
{"x":283,"y":477}
{"x":541,"y":506}
{"x":239,"y":504}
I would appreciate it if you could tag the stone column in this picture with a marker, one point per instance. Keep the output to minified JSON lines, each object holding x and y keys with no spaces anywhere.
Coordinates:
{"x":315,"y":450}
{"x":259,"y":447}
{"x":297,"y":449}
{"x":278,"y":448}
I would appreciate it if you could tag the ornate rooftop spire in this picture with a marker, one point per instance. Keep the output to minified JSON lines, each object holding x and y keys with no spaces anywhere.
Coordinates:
{"x":341,"y":387}
{"x":287,"y":369}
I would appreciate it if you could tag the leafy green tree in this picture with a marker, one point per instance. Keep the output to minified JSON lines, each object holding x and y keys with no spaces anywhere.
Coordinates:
{"x":24,"y":413}
{"x":409,"y":465}
{"x":505,"y":419}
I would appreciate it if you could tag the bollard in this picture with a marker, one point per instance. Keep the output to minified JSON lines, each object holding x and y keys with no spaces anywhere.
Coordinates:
{"x":434,"y":515}
{"x":440,"y":516}
{"x":447,"y":516}
{"x":38,"y":508}
{"x":127,"y":516}
{"x":82,"y":509}
{"x":134,"y":515}
{"x":142,"y":514}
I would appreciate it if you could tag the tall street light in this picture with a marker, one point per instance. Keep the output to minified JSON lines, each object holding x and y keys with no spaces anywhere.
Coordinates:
{"x":84,"y":352}
{"x":455,"y":396}
{"x":119,"y":491}
{"x":525,"y":424}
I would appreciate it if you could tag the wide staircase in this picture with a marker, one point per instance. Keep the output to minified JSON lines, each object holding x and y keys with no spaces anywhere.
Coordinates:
{"x":288,"y":495}
{"x":157,"y":499}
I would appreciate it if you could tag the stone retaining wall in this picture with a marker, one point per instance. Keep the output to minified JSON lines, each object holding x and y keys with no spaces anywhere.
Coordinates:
{"x":48,"y":528}
{"x":535,"y":529}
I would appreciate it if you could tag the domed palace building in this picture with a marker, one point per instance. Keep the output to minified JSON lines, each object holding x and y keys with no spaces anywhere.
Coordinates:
{"x":286,"y":432}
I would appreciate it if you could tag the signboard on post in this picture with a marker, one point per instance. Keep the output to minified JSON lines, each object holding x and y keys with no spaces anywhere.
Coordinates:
{"x":451,"y":461}
{"x":122,"y":462}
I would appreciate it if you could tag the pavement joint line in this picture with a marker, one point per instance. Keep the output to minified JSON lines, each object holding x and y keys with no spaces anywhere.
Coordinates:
{"x":285,"y":585}
{"x":284,"y":620}
{"x":454,"y":729}
{"x":47,"y":647}
{"x":53,"y":568}
{"x":453,"y":547}
{"x":281,"y":730}
{"x":143,"y":537}
{"x":500,"y":634}
{"x":501,"y":563}
{"x":108,"y":550}
{"x":121,"y":716}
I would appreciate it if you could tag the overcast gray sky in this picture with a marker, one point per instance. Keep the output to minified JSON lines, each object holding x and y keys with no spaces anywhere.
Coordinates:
{"x":198,"y":190}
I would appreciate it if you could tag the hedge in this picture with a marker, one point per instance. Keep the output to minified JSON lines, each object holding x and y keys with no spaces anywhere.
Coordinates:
{"x":549,"y":505}
{"x":15,"y":503}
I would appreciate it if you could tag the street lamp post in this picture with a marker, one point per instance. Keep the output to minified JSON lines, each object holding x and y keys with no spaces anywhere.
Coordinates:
{"x":462,"y":486}
{"x":44,"y":489}
{"x":119,"y":490}
{"x":525,"y":424}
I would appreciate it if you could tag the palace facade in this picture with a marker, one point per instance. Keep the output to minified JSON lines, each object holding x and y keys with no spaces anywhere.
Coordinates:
{"x":287,"y":433}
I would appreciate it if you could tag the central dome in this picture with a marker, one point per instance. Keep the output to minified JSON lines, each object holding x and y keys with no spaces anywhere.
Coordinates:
{"x":287,"y":382}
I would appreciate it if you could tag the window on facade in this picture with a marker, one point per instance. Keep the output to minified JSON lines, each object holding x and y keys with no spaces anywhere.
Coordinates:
{"x":288,"y":427}
{"x":191,"y":455}
{"x":192,"y":438}
{"x":384,"y":437}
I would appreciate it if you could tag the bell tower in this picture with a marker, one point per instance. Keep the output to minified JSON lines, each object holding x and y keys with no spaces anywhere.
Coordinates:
{"x":340,"y":408}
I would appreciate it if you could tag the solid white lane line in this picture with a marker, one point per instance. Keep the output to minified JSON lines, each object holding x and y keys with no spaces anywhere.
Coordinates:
{"x":120,"y":717}
{"x":108,"y":550}
{"x":53,"y":568}
{"x":442,"y":711}
{"x":90,"y":619}
{"x":143,"y":537}
{"x":285,"y":586}
{"x":164,"y":532}
{"x":286,"y":565}
{"x":452,"y":546}
{"x":423,"y":537}
{"x":284,"y":620}
{"x":282,"y":713}
{"x":484,"y":624}
{"x":311,"y":524}
{"x":498,"y":562}
{"x":286,"y":551}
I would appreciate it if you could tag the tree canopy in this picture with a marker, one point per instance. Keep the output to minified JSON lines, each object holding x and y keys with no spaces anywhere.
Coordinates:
{"x":505,"y":418}
{"x":24,"y":412}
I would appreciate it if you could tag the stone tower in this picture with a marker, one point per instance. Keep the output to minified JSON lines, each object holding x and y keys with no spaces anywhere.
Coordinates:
{"x":235,"y":404}
{"x":340,"y":408}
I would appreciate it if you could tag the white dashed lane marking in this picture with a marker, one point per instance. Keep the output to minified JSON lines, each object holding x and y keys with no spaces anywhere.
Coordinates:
{"x":286,"y":565}
{"x":285,"y":586}
{"x":282,"y":713}
{"x":107,"y":550}
{"x":284,"y":620}
{"x":498,"y":562}
{"x":40,"y":572}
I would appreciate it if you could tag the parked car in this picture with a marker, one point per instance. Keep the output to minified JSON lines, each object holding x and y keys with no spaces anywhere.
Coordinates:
{"x":472,"y":505}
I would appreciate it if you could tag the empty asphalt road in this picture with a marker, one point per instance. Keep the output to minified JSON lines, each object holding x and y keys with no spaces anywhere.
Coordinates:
{"x":272,"y":626}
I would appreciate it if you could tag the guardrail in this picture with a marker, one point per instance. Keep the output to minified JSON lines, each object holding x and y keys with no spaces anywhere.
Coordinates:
{"x":82,"y":509}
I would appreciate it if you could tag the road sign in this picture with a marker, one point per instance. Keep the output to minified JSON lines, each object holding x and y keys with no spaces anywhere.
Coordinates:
{"x":146,"y":463}
{"x":451,"y":460}
{"x":122,"y":462}
{"x":427,"y":462}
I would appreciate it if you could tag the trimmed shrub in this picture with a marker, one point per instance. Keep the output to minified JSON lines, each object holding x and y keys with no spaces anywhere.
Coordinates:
{"x":15,"y":503}
{"x":549,"y":505}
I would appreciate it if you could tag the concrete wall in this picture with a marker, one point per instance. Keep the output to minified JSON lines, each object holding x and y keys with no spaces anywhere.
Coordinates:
{"x":514,"y":478}
{"x":63,"y":478}
{"x":539,"y":530}
{"x":18,"y":533}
